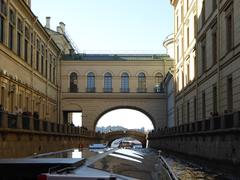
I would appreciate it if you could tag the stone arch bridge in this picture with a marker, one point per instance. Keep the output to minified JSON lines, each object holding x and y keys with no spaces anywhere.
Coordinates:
{"x":111,"y":136}
{"x":93,"y":107}
{"x":97,"y":84}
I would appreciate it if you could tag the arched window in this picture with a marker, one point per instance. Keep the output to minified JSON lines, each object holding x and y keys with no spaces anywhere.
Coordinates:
{"x":125,"y":82}
{"x":141,"y":82}
{"x":90,"y":82}
{"x":158,"y":82}
{"x":73,"y":82}
{"x":108,"y":82}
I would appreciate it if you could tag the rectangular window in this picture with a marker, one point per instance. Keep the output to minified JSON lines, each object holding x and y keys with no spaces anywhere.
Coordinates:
{"x":182,"y":13}
{"x":177,"y":22}
{"x":229,"y":31}
{"x":26,"y":50}
{"x":215,"y":98}
{"x":10,"y":36}
{"x":203,"y":12}
{"x":182,"y":114}
{"x":42,"y":64}
{"x":177,"y":116}
{"x":177,"y":53}
{"x":42,"y":59}
{"x":3,"y":7}
{"x":177,"y":83}
{"x":195,"y":108}
{"x":27,"y":104}
{"x":188,"y":40}
{"x":20,"y":101}
{"x":182,"y":42}
{"x":37,"y":60}
{"x":50,"y":68}
{"x":31,"y":56}
{"x":54,"y":70}
{"x":19,"y":39}
{"x":46,"y":64}
{"x":214,"y":47}
{"x":188,"y":112}
{"x":195,"y":25}
{"x":1,"y":29}
{"x":229,"y":94}
{"x":37,"y":55}
{"x":2,"y":96}
{"x":195,"y":66}
{"x":53,"y":74}
{"x":50,"y":72}
{"x":214,"y":5}
{"x":46,"y":69}
{"x":188,"y":73}
{"x":182,"y":79}
{"x":203,"y":106}
{"x":203,"y":49}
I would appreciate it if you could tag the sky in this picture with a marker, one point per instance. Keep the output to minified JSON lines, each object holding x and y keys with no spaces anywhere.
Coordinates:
{"x":127,"y":118}
{"x":111,"y":26}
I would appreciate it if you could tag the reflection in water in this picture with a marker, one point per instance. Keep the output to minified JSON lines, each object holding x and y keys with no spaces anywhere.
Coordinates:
{"x":130,"y":163}
{"x":125,"y":157}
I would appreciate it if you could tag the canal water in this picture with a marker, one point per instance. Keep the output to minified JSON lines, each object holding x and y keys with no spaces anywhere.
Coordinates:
{"x":126,"y":164}
{"x":131,"y":163}
{"x":189,"y":170}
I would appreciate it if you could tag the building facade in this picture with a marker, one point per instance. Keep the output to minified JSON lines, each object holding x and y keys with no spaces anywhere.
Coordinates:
{"x":207,"y":58}
{"x":96,"y":84}
{"x":29,"y":60}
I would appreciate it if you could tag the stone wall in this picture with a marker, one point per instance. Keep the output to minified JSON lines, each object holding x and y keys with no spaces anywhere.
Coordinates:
{"x":213,"y":139}
{"x":24,"y":136}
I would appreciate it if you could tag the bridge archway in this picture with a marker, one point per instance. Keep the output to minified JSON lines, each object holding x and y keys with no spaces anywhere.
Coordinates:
{"x":131,"y":108}
{"x":94,"y":106}
{"x":112,"y":136}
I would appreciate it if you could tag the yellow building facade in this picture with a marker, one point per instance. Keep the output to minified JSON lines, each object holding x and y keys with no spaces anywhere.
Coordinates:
{"x":206,"y":35}
{"x":96,"y":84}
{"x":29,"y":60}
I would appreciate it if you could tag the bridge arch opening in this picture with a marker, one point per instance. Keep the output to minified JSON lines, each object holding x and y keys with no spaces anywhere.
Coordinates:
{"x":124,"y":118}
{"x":126,"y":142}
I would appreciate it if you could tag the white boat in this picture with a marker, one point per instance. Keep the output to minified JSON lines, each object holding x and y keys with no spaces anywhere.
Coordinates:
{"x":97,"y":146}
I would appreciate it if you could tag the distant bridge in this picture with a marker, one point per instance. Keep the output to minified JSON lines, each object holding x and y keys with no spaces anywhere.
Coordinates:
{"x":111,"y":136}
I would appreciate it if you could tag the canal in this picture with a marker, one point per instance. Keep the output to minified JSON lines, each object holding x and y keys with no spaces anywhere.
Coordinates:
{"x":115,"y":163}
{"x":186,"y":168}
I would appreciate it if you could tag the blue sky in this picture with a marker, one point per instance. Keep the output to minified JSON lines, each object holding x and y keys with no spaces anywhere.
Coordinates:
{"x":108,"y":26}
{"x":127,"y":118}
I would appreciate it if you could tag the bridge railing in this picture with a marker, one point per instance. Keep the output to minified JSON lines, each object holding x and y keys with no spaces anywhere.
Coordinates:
{"x":28,"y":122}
{"x":226,"y":121}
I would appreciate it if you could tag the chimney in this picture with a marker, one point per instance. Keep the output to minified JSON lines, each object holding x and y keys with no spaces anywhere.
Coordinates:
{"x":48,"y":22}
{"x":62,"y":26}
{"x":59,"y":30}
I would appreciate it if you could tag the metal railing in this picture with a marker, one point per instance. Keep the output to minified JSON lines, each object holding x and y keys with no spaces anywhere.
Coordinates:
{"x":107,"y":90}
{"x":91,"y":90}
{"x":141,"y":90}
{"x":215,"y":123}
{"x":124,"y":90}
{"x":30,"y":123}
